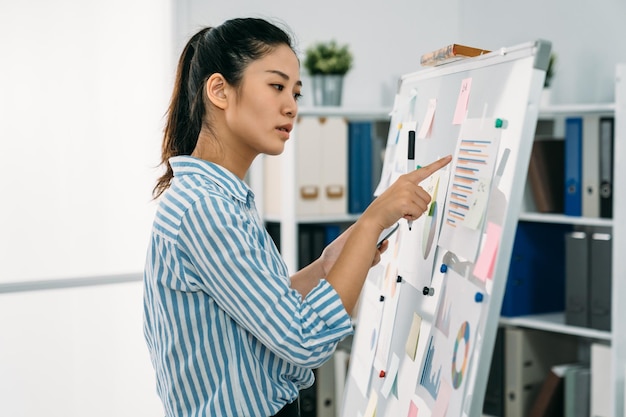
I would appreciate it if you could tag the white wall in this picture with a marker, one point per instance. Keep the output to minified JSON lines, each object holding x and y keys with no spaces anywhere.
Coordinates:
{"x":75,"y":353}
{"x":388,"y":37}
{"x":587,"y":36}
{"x":84,"y":85}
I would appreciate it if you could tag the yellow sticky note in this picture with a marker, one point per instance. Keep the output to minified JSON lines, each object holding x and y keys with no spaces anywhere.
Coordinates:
{"x":414,"y":336}
{"x":370,"y":411}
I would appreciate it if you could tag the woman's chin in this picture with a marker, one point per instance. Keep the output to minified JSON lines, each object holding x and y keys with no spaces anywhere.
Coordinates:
{"x":275,"y":150}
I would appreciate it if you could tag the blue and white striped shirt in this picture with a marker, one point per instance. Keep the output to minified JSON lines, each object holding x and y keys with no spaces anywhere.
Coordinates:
{"x":226,"y":333}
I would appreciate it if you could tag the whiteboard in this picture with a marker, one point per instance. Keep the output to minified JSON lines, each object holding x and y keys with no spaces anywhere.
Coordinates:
{"x":428,"y":314}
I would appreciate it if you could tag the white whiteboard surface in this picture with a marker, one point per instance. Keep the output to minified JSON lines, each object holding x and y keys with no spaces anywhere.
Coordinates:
{"x":433,"y":347}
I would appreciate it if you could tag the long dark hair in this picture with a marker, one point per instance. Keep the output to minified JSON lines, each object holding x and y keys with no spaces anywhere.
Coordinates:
{"x":226,"y":49}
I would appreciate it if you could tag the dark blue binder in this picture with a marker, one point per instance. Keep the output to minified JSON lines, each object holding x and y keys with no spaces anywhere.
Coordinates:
{"x":360,"y":165}
{"x":536,"y":280}
{"x":331,"y":232}
{"x":573,"y":166}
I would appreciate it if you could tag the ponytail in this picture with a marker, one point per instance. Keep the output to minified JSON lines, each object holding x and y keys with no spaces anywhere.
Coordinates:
{"x":185,"y":114}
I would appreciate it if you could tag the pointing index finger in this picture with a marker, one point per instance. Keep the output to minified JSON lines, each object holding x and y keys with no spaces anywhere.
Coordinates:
{"x":428,"y":170}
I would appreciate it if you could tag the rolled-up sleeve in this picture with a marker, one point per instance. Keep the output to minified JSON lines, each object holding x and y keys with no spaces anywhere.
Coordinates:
{"x":225,"y":255}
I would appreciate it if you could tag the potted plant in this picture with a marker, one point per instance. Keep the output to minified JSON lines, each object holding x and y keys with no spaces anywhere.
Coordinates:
{"x":327,"y":63}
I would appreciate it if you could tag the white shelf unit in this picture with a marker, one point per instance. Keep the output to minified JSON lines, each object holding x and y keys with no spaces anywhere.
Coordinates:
{"x":555,"y":322}
{"x":563,"y":219}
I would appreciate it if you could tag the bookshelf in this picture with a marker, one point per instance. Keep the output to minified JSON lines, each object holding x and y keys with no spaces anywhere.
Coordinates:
{"x":555,"y":322}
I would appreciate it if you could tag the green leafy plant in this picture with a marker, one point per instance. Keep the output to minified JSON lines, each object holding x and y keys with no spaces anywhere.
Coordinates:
{"x":550,"y":71}
{"x":328,"y":58}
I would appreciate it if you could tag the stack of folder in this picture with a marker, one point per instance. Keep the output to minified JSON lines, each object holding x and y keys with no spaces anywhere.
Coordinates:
{"x":321,"y":147}
{"x":589,"y":166}
{"x":366,"y":144}
{"x":588,"y":273}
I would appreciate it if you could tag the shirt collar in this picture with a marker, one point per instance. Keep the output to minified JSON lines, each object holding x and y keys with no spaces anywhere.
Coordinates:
{"x":223,"y":178}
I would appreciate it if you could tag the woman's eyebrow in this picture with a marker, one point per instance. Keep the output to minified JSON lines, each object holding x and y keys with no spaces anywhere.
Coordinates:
{"x":284,"y":76}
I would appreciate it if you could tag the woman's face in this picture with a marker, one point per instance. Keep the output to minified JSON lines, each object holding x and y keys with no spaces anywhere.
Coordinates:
{"x":261,"y":114}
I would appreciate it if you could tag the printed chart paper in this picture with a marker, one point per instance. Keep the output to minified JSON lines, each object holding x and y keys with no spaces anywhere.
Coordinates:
{"x":469,"y":187}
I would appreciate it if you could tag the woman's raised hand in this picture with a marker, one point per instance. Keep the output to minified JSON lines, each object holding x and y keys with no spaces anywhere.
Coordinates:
{"x":404,"y":198}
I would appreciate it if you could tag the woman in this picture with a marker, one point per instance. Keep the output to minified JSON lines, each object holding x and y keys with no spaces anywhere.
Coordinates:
{"x":230,"y":333}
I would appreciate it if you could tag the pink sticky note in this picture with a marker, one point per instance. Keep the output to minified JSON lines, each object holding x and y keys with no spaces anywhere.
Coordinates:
{"x":443,"y":398}
{"x":486,"y":260}
{"x":412,"y":410}
{"x":462,"y":101}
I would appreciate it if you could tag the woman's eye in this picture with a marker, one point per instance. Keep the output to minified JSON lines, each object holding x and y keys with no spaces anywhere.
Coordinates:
{"x":278,"y":87}
{"x":297,"y":96}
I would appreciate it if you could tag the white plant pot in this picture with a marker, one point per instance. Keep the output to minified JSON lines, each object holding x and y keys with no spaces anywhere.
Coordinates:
{"x":327,"y":90}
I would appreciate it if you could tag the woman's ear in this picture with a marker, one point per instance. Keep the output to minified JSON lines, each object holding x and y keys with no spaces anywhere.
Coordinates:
{"x":216,"y":90}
